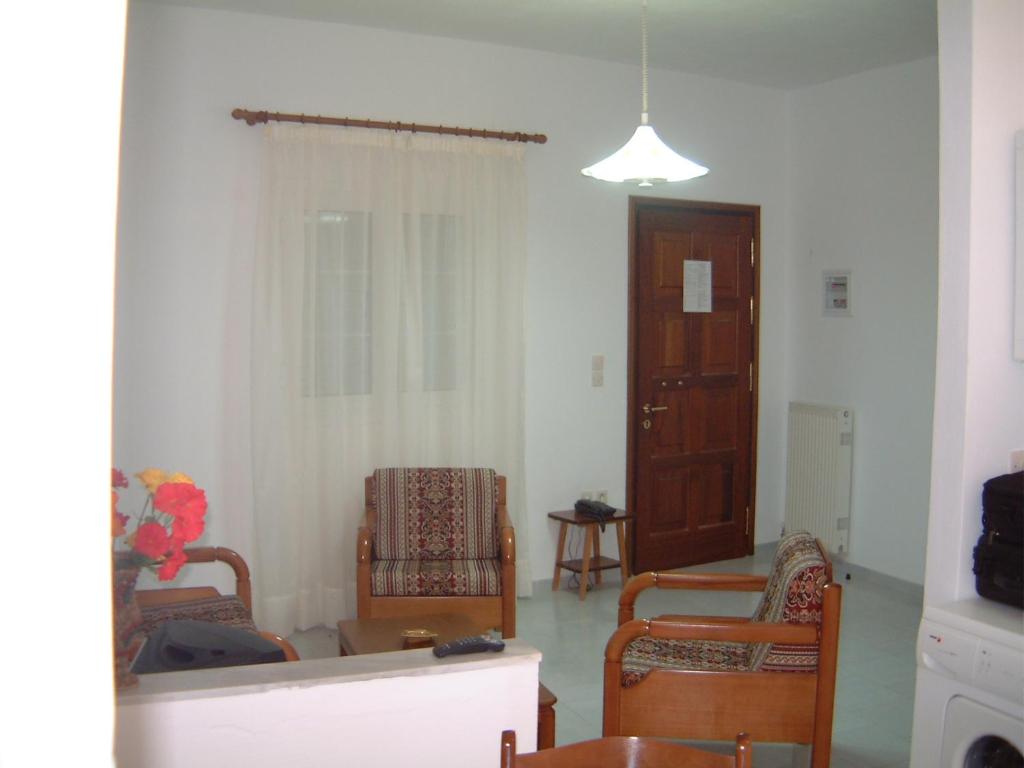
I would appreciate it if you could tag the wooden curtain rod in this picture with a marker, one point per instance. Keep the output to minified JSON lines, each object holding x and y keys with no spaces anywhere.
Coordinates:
{"x":252,"y":118}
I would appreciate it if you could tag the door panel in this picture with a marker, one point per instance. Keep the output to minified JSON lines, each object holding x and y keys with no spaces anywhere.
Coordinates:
{"x":691,"y":387}
{"x":720,"y":339}
{"x":673,"y":349}
{"x":722,"y":250}
{"x":670,"y":248}
{"x":716,"y":431}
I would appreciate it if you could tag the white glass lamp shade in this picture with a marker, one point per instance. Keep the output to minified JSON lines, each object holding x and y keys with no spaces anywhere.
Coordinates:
{"x":645,"y":159}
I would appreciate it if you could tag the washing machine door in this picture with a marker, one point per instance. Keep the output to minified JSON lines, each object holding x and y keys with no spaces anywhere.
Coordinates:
{"x":977,"y":736}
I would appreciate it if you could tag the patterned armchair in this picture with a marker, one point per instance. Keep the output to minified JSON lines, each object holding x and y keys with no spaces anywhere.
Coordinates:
{"x":206,"y":603}
{"x":710,"y":677}
{"x":437,"y":541}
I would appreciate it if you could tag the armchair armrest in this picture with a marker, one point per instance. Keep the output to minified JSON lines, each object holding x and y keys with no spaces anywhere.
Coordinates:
{"x":734,"y":582}
{"x":507,"y":545}
{"x":507,"y":562}
{"x":364,"y":545}
{"x":709,"y":628}
{"x":243,"y":585}
{"x":364,"y":558}
{"x":290,"y":654}
{"x":702,"y":619}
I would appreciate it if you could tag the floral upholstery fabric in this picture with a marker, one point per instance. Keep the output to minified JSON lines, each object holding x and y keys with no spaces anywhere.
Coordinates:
{"x":228,"y":609}
{"x":792,"y":595}
{"x":435,"y":578}
{"x":646,"y":653}
{"x":435,"y":514}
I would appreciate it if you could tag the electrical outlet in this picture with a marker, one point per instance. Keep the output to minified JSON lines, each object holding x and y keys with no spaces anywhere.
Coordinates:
{"x":602,"y":496}
{"x":1017,"y":460}
{"x":588,"y":495}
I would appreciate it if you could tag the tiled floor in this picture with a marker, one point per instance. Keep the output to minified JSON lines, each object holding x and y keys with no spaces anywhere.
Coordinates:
{"x":875,"y":690}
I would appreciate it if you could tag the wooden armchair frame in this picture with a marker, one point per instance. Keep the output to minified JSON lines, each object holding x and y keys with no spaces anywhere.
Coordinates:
{"x":623,"y":752}
{"x":152,"y":598}
{"x":770,"y":706}
{"x":497,"y":611}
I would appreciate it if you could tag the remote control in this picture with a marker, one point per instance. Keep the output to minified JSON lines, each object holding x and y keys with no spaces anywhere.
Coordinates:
{"x":473,"y":644}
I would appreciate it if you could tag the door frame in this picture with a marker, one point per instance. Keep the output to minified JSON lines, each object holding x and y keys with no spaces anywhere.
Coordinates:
{"x":637,"y":204}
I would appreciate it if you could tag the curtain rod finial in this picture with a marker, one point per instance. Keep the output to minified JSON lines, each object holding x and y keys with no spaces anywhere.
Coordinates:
{"x":251,"y":118}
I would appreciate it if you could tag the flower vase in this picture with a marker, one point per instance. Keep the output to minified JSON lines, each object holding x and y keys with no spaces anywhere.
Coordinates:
{"x":128,"y":635}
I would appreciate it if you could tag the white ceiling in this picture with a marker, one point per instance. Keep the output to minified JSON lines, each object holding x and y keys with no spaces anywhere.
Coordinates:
{"x":777,"y":43}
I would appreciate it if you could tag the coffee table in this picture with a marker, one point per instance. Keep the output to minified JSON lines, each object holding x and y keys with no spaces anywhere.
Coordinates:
{"x":357,"y":636}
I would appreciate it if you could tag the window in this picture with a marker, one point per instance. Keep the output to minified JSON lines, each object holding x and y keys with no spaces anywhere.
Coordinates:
{"x":339,"y":304}
{"x":340,"y":339}
{"x":431,"y":252}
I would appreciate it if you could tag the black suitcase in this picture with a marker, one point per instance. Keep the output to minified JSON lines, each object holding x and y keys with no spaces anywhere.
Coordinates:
{"x":999,"y":570}
{"x":1002,"y":504}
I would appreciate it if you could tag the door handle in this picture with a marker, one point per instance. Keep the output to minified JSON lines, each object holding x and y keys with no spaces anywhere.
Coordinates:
{"x":649,"y":409}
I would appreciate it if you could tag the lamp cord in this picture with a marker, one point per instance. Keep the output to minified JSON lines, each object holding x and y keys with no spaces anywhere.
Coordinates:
{"x":643,"y":60}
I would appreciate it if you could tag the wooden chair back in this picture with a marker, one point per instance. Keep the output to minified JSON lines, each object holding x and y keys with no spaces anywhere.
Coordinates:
{"x":623,"y":752}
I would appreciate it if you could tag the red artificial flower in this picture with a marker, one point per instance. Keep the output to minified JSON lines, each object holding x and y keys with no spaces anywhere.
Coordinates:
{"x":185,"y":529}
{"x":152,"y":540}
{"x":180,"y":500}
{"x":117,"y":520}
{"x":117,"y":479}
{"x":172,"y":564}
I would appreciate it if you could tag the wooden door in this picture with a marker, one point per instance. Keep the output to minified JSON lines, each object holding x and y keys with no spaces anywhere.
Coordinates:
{"x":692,"y":382}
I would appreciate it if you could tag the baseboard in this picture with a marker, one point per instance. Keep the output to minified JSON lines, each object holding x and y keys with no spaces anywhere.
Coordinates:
{"x":843,"y":571}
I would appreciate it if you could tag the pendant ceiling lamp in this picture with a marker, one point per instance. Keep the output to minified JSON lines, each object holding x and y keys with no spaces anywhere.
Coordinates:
{"x":645,"y":159}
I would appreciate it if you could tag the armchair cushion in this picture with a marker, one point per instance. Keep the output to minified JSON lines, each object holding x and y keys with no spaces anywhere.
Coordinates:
{"x":436,"y":514}
{"x":646,"y":653}
{"x":435,"y":578}
{"x":228,"y":610}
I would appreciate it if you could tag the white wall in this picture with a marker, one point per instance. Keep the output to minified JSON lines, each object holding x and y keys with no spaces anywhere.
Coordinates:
{"x":865,"y":199}
{"x":189,"y":189}
{"x":388,"y":709}
{"x":979,"y":388}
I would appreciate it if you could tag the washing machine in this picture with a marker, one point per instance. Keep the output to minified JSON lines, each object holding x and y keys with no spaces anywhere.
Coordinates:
{"x":969,"y":700}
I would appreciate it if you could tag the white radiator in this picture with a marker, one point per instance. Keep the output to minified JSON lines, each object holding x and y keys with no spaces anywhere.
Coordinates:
{"x":818,"y":472}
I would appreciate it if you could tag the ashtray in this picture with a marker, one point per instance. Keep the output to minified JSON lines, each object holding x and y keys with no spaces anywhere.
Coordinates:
{"x":418,"y":638}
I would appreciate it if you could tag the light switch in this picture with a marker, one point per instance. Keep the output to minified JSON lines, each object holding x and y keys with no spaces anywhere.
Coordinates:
{"x":597,"y":371}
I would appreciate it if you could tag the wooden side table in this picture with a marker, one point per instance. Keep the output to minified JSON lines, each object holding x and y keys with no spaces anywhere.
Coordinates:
{"x":591,"y":559}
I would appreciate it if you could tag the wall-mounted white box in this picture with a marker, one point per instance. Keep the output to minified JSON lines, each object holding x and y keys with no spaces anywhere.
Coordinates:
{"x":836,"y":293}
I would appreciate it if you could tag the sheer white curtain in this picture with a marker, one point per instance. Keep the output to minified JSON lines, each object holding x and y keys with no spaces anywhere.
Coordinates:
{"x":387,"y":331}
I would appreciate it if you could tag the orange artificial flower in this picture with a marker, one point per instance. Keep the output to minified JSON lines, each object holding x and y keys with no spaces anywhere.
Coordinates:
{"x":152,"y":478}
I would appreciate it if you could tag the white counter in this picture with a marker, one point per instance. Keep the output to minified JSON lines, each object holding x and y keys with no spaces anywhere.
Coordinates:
{"x":389,"y":709}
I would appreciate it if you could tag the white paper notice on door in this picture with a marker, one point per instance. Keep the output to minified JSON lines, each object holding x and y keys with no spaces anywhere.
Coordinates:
{"x":696,"y":286}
